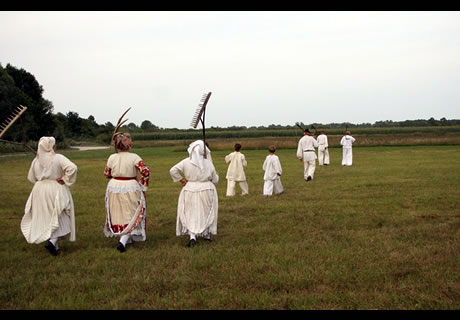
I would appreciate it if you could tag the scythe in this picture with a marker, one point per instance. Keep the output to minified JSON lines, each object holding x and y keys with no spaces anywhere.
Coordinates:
{"x":303,"y":129}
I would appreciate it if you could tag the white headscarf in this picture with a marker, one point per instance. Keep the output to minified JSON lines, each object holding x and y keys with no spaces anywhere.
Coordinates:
{"x":196,"y":152}
{"x":45,"y":152}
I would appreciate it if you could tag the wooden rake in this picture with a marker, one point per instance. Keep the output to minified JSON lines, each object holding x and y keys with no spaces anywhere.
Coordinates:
{"x":9,"y":122}
{"x":199,"y":116}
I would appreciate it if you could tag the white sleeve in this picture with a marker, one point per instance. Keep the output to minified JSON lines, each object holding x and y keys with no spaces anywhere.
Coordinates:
{"x":278,"y":168}
{"x":70,"y":170}
{"x":299,"y":150}
{"x":228,"y":158}
{"x":244,"y":162}
{"x":214,"y":176}
{"x":176,"y":170}
{"x":31,"y":175}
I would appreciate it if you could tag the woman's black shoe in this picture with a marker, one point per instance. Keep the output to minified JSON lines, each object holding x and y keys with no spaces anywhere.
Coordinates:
{"x":51,"y":248}
{"x":191,"y":243}
{"x":121,"y":247}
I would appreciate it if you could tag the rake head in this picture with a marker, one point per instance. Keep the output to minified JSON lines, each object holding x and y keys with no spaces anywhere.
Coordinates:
{"x":9,"y":122}
{"x":199,"y":112}
{"x":11,"y":119}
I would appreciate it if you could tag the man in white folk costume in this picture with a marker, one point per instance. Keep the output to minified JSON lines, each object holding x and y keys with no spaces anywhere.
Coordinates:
{"x":306,"y":154}
{"x":272,"y":175}
{"x":323,"y":150}
{"x":236,"y":162}
{"x":347,"y":152}
{"x":49,"y":211}
{"x":125,"y":200}
{"x":197,"y":208}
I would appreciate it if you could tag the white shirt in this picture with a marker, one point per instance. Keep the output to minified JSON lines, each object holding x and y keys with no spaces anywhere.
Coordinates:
{"x":123,"y":164}
{"x":347,"y":141}
{"x":193,"y":173}
{"x":272,"y":167}
{"x":236,"y":164}
{"x":306,"y":148}
{"x":322,"y":140}
{"x":61,"y":167}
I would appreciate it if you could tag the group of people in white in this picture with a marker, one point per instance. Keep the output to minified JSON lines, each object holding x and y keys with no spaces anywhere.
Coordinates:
{"x":50,"y":214}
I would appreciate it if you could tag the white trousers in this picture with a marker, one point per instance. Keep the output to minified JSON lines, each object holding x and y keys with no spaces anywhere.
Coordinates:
{"x":347,"y":157}
{"x":272,"y":187}
{"x":309,"y":168}
{"x":323,"y":156}
{"x":231,"y":187}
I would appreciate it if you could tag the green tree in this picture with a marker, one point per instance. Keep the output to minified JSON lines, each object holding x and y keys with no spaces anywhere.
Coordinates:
{"x":132,"y":126}
{"x":432,"y":122}
{"x":147,"y":125}
{"x":89,"y":127}
{"x":60,"y":132}
{"x":74,"y":124}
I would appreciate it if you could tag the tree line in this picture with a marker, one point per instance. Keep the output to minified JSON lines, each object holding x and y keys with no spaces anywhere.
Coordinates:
{"x":20,"y":87}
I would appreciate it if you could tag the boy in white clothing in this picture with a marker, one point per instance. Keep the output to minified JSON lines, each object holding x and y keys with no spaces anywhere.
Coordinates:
{"x":272,"y":176}
{"x":323,"y":152}
{"x":236,"y":163}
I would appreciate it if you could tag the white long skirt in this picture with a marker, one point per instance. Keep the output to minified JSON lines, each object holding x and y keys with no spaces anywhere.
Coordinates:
{"x":347,"y":157}
{"x":49,"y":213}
{"x":197,"y":209}
{"x":125,"y":210}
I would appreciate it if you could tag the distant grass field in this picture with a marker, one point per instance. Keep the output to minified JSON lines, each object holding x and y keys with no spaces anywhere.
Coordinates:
{"x":223,"y":139}
{"x":382,"y":234}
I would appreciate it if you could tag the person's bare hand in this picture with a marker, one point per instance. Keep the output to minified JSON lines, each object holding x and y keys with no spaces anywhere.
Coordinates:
{"x":183,"y":181}
{"x":60,"y":181}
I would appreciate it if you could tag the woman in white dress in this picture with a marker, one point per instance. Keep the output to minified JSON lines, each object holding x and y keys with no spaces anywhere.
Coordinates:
{"x":49,"y":211}
{"x":125,"y":195}
{"x":347,"y":153}
{"x":197,"y":208}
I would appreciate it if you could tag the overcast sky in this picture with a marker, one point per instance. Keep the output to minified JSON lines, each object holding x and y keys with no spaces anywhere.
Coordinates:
{"x":267,"y":67}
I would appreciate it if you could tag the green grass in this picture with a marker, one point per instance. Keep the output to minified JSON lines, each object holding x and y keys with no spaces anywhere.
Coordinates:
{"x":382,"y":234}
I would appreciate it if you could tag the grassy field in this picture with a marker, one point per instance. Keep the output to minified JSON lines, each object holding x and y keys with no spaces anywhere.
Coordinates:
{"x":382,"y":234}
